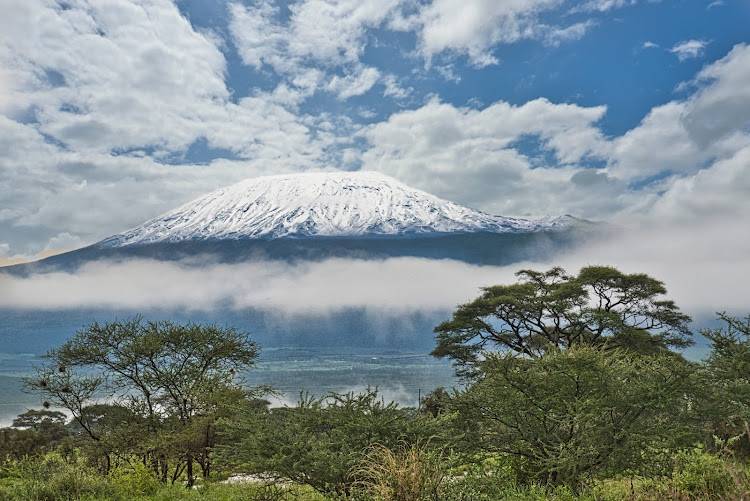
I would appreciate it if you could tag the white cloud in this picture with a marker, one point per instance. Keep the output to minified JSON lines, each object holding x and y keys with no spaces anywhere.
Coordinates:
{"x":659,"y":144}
{"x":95,"y":79}
{"x":475,"y":27}
{"x":63,"y":242}
{"x":355,"y":84}
{"x":469,"y":156}
{"x":683,"y":137}
{"x":318,"y":36}
{"x":605,"y":5}
{"x":115,"y":59}
{"x":689,"y":49}
{"x":137,"y":75}
{"x":394,"y":89}
{"x":705,"y":265}
{"x":649,"y":45}
{"x":476,"y":157}
{"x":576,"y":31}
{"x":392,"y":286}
{"x":719,"y":193}
{"x":722,"y":103}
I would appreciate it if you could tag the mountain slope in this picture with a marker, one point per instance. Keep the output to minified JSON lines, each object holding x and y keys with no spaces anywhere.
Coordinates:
{"x":341,"y":204}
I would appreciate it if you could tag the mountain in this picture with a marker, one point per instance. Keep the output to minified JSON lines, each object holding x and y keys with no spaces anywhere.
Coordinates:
{"x":340,"y":204}
{"x":315,"y":216}
{"x":305,"y":217}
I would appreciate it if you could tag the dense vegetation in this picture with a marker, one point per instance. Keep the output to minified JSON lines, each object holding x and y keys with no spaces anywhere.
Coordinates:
{"x":571,"y":391}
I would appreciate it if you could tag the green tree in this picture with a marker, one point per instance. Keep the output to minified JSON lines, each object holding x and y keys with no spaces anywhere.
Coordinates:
{"x":436,"y":402}
{"x":174,"y":381}
{"x":554,"y":310}
{"x":728,"y":369}
{"x":574,"y":414}
{"x":34,"y":419}
{"x":33,"y":432}
{"x":319,"y":441}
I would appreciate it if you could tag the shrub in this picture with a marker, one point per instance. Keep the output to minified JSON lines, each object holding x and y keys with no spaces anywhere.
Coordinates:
{"x":699,"y":473}
{"x":52,"y":479}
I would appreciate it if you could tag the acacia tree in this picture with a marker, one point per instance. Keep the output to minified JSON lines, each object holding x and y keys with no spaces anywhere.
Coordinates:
{"x":175,"y":381}
{"x":581,"y":413}
{"x":728,"y":369}
{"x":553,"y":309}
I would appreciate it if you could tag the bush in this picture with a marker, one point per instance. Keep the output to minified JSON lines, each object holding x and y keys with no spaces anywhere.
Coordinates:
{"x":52,"y":479}
{"x":580,"y":414}
{"x":138,"y":480}
{"x":320,"y":441}
{"x":698,"y":473}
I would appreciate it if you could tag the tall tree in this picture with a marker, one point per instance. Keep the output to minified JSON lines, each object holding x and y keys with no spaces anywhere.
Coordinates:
{"x":580,"y":413}
{"x":175,"y":381}
{"x":728,"y":367}
{"x":554,"y":310}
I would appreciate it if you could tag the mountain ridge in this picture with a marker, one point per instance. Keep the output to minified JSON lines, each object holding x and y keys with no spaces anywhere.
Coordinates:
{"x":335,"y":204}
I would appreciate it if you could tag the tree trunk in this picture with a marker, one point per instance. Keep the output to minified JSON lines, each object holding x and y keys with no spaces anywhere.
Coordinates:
{"x":190,"y":479}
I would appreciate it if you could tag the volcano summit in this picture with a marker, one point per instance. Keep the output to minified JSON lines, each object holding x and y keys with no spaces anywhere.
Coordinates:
{"x":314,"y":216}
{"x":341,"y":204}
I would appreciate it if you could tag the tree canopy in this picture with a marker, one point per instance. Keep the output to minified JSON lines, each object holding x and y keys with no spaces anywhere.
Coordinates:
{"x":574,"y":414}
{"x":552,"y":309}
{"x":169,"y":384}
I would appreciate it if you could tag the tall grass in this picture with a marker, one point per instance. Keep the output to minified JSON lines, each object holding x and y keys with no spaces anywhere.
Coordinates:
{"x":411,"y":472}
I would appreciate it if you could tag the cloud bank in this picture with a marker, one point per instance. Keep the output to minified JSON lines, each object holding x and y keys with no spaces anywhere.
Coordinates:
{"x":706,"y":269}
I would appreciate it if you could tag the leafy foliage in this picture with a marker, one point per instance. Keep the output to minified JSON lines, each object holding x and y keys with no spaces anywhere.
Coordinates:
{"x":319,"y":441}
{"x":580,"y":413}
{"x":728,"y":367}
{"x":170,"y":383}
{"x":554,"y":310}
{"x":573,"y":394}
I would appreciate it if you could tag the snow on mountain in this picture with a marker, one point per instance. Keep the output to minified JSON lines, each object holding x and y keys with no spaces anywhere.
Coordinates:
{"x":336,"y":204}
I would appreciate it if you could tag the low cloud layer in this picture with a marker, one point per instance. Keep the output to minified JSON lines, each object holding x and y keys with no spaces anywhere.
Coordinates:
{"x":395,"y":285}
{"x":706,"y":268}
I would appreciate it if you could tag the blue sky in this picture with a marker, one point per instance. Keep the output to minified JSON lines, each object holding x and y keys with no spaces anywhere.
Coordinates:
{"x":114,"y":111}
{"x":635,"y":112}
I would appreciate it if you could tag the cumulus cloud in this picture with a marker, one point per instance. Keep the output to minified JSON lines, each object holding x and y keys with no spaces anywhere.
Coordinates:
{"x":689,"y":49}
{"x":100,"y":102}
{"x":108,"y":97}
{"x":605,"y":5}
{"x":354,"y":85}
{"x":469,"y":155}
{"x":153,"y":58}
{"x":722,"y":103}
{"x":556,"y":36}
{"x":476,"y":27}
{"x":683,"y":138}
{"x":477,"y":156}
{"x":322,"y":36}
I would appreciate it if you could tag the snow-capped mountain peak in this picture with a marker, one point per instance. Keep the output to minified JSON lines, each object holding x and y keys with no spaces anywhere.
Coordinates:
{"x":331,"y":204}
